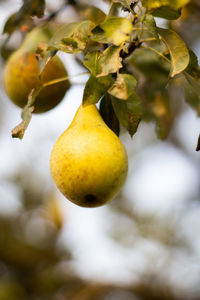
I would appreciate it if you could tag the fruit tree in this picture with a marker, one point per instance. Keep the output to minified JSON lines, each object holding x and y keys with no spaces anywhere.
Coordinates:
{"x":134,"y":55}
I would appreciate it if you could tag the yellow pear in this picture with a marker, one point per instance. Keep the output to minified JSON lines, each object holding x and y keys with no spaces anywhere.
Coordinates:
{"x":88,"y":162}
{"x":21,"y":74}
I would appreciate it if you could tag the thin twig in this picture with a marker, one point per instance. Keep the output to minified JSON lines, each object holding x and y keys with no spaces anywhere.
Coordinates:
{"x":159,"y":53}
{"x":148,"y":40}
{"x":62,"y":79}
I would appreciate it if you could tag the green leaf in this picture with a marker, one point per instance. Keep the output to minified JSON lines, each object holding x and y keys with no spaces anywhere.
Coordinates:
{"x":6,"y":51}
{"x":64,"y":31}
{"x":9,"y":26}
{"x":43,"y":58}
{"x":192,"y":92}
{"x":162,"y":115}
{"x":124,"y":3}
{"x":192,"y":98}
{"x":129,"y":112}
{"x":150,"y":24}
{"x":91,"y":62}
{"x":156,"y":107}
{"x":177,"y":49}
{"x":108,"y":114}
{"x":123,"y":87}
{"x":95,"y":89}
{"x":114,"y":30}
{"x":193,"y":82}
{"x":175,"y":4}
{"x":166,"y":12}
{"x":19,"y":130}
{"x":69,"y":45}
{"x":193,"y":67}
{"x":102,"y":64}
{"x":30,"y":8}
{"x":94,"y":14}
{"x":71,"y":38}
{"x":110,"y":61}
{"x":150,"y":65}
{"x":79,"y":37}
{"x":25,"y":22}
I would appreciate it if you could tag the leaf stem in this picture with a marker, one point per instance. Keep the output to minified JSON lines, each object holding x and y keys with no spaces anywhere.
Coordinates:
{"x":111,"y":5}
{"x":148,"y":40}
{"x":159,"y":53}
{"x":62,"y":79}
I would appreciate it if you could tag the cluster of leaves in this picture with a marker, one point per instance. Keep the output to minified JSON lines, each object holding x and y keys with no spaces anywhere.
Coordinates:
{"x":132,"y":62}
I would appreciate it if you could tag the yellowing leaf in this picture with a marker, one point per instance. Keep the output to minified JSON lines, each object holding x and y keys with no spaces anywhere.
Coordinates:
{"x":102,"y":64}
{"x":71,"y":37}
{"x":123,"y":87}
{"x":110,"y":61}
{"x":177,"y":49}
{"x":94,"y":14}
{"x":175,"y":4}
{"x":64,"y":31}
{"x":114,"y":30}
{"x":19,"y":130}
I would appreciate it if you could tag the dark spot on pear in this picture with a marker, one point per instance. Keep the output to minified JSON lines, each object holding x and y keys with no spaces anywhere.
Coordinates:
{"x":91,"y":201}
